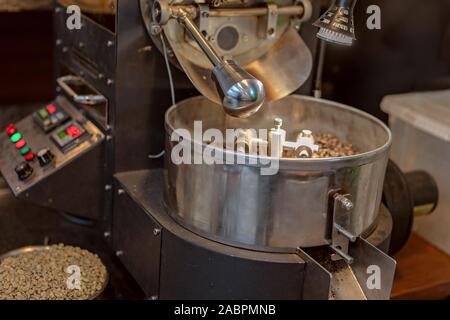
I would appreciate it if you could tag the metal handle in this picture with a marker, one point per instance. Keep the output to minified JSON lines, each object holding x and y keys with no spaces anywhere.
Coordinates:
{"x":241,"y":93}
{"x":88,"y":99}
{"x":200,"y":39}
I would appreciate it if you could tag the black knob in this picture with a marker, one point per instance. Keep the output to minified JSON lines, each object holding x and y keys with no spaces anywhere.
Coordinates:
{"x":45,"y":156}
{"x":24,"y":171}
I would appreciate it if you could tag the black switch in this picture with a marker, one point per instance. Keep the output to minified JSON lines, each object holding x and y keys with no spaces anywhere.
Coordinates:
{"x":24,"y":171}
{"x":45,"y":156}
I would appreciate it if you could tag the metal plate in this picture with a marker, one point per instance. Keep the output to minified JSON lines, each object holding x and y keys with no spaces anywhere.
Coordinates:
{"x":136,"y":237}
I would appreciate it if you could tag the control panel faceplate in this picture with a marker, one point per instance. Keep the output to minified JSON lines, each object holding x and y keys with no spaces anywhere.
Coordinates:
{"x":44,"y":142}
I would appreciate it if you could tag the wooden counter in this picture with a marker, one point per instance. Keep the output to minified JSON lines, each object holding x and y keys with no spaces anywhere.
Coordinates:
{"x":19,"y":5}
{"x":423,"y":271}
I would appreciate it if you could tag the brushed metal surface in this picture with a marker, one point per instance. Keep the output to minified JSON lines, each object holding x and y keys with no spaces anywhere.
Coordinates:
{"x":237,"y":205}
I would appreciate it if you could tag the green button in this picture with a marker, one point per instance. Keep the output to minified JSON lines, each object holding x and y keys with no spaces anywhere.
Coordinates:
{"x":25,"y":150}
{"x":43,"y":113}
{"x":62,"y":135}
{"x":16,"y":137}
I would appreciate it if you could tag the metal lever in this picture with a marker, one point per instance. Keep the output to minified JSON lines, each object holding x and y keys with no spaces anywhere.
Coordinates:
{"x":241,"y":93}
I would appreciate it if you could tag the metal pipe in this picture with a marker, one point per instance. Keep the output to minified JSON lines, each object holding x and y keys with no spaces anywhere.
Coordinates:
{"x":194,"y":11}
{"x":259,"y":11}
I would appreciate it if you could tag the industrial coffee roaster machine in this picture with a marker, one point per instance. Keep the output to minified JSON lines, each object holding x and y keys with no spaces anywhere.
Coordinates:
{"x":138,"y":70}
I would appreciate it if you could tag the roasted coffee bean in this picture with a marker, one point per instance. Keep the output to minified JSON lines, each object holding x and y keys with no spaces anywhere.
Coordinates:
{"x":331,"y":146}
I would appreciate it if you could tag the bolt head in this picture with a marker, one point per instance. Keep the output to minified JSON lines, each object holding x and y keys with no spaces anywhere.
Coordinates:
{"x":155,"y":29}
{"x":278,"y":122}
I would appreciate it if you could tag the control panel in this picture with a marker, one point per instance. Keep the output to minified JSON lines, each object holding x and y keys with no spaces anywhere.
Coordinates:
{"x":50,"y":116}
{"x":69,"y":136}
{"x":44,"y":142}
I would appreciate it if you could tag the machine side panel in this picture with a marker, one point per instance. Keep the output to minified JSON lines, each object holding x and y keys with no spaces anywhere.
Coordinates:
{"x":193,"y":267}
{"x":137,"y":242}
{"x":192,"y":272}
{"x":142,"y":92}
{"x":75,"y":189}
{"x":90,"y":51}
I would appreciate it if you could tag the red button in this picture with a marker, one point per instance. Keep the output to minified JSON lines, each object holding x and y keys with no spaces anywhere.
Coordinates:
{"x":51,"y":108}
{"x":29,"y":156}
{"x":20,"y":144}
{"x":10,"y":130}
{"x":73,"y":131}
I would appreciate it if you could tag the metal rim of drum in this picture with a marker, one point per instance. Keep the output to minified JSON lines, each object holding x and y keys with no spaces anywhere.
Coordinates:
{"x":307,"y":163}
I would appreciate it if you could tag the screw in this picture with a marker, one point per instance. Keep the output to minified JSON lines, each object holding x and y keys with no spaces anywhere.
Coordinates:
{"x":108,"y":187}
{"x":109,"y":43}
{"x":346,"y":203}
{"x":120,"y":192}
{"x":81,"y":45}
{"x":65,"y":49}
{"x":156,"y":232}
{"x":306,"y":133}
{"x":58,"y":42}
{"x":278,"y":122}
{"x":107,"y":234}
{"x":109,"y":82}
{"x":154,"y":298}
{"x":146,"y":49}
{"x":119,"y":253}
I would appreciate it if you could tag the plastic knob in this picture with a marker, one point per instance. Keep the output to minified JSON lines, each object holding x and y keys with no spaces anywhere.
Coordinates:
{"x":24,"y":171}
{"x":45,"y":157}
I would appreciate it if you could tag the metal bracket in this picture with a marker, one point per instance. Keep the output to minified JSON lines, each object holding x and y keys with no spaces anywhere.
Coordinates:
{"x":203,"y":21}
{"x":341,"y":234}
{"x":272,"y":19}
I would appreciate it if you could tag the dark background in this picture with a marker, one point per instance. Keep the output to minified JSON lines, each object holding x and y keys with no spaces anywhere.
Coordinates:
{"x":410,"y":53}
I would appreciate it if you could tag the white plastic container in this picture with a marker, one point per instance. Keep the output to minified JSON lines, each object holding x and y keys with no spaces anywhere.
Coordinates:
{"x":420,"y":124}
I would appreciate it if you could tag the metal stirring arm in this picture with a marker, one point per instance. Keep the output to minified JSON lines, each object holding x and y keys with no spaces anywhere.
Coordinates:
{"x":241,"y":93}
